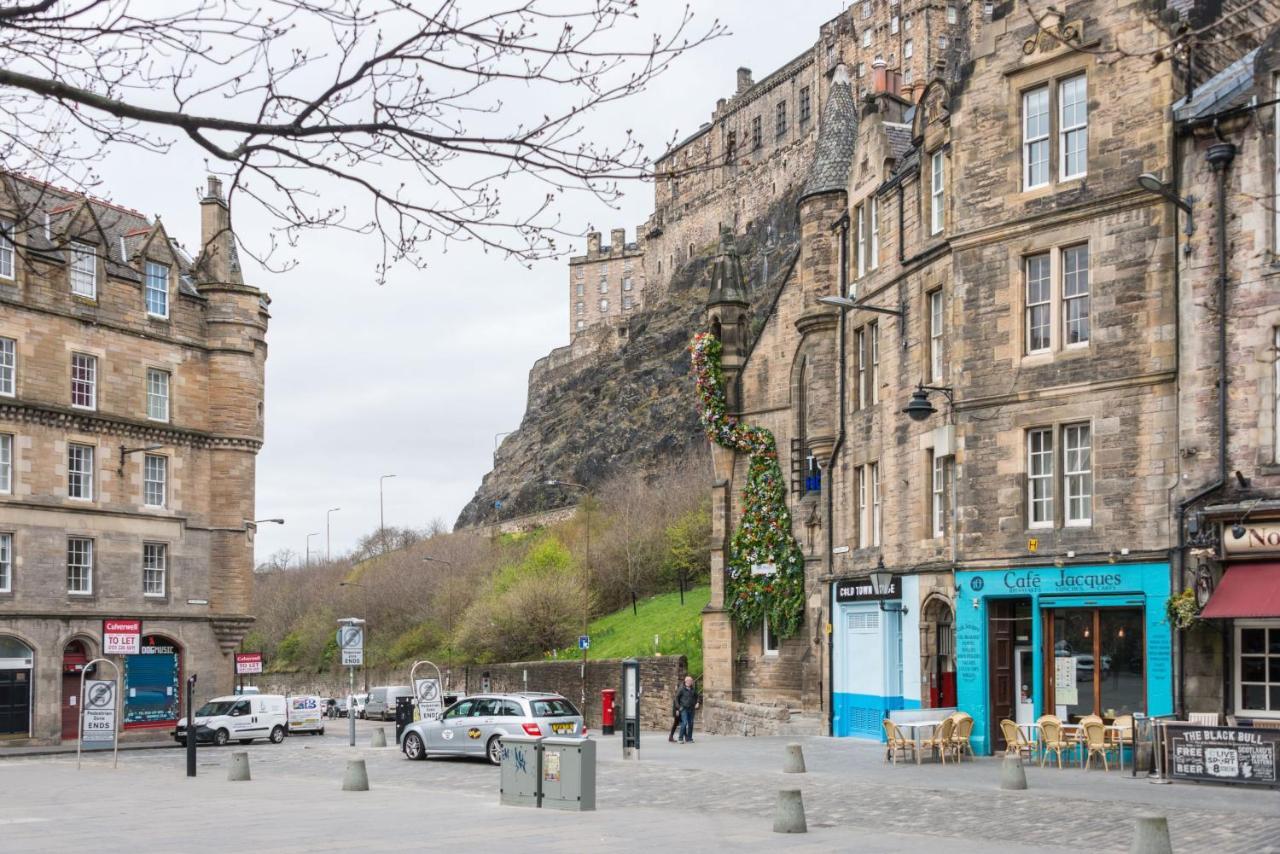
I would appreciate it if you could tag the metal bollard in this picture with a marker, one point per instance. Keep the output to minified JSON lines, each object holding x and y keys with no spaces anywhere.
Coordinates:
{"x":788,"y":815}
{"x":357,"y":777}
{"x":239,"y":767}
{"x":379,"y":737}
{"x":1151,"y":836}
{"x":1012,"y":774}
{"x":794,"y":762}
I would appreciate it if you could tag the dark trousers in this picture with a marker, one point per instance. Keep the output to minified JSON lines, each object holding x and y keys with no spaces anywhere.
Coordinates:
{"x":686,"y":724}
{"x":675,"y":724}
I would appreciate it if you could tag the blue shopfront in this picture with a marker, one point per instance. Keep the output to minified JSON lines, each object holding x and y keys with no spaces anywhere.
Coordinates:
{"x":1067,"y":641}
{"x":875,"y":654}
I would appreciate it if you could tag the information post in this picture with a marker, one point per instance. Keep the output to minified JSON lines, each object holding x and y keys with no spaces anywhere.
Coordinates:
{"x":99,"y":712}
{"x":351,"y":643}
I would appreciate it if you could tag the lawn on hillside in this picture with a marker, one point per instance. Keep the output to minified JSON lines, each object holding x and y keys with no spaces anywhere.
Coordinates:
{"x":678,"y":629}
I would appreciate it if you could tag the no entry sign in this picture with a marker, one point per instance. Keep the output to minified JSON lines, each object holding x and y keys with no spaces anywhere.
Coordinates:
{"x":248,"y":662}
{"x":121,"y":637}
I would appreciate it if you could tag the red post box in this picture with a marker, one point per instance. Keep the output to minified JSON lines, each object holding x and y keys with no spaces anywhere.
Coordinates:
{"x":607,"y":697}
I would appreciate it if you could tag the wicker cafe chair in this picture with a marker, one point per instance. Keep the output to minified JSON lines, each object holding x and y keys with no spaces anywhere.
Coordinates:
{"x":1261,"y":724}
{"x":1095,"y":741}
{"x":1122,"y":736}
{"x":1051,"y":738}
{"x":1016,"y":743}
{"x":1203,"y":718}
{"x":960,"y":739}
{"x":897,"y":743}
{"x":942,"y":739}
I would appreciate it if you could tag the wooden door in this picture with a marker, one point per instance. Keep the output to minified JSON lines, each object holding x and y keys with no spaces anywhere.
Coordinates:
{"x":70,"y":706}
{"x":15,"y":703}
{"x":1000,"y":634}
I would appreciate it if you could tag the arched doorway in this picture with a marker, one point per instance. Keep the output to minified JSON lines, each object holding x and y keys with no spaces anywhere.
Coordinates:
{"x":152,"y":680}
{"x":74,"y":658}
{"x":16,"y":661}
{"x":937,"y":647}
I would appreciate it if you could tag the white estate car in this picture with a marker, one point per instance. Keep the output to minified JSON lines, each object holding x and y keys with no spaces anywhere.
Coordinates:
{"x":241,"y":718}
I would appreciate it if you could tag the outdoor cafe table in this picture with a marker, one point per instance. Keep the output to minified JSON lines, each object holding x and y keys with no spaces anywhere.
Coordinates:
{"x":915,"y":727}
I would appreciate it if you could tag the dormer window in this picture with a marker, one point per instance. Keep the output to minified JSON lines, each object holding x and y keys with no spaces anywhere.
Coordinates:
{"x":156,"y":289}
{"x":84,"y":270}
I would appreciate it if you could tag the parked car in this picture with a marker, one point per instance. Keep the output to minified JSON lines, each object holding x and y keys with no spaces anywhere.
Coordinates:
{"x":382,"y":702}
{"x":361,"y":701}
{"x":241,"y":718}
{"x":475,"y":725}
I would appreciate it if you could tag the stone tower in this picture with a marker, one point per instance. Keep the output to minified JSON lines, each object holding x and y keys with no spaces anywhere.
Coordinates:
{"x":728,"y":316}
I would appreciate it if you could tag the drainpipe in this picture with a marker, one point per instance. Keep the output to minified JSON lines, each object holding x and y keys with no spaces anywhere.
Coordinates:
{"x":843,"y":225}
{"x":1220,"y":155}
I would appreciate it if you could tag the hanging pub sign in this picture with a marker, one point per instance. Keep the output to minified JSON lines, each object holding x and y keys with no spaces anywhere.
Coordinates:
{"x":862,"y":590}
{"x":1259,"y":538}
{"x":1224,"y":754}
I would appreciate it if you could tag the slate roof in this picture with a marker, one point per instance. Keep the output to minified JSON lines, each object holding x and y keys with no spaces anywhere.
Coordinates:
{"x":1230,"y":87}
{"x":899,"y":136}
{"x":837,"y":139}
{"x":726,"y":277}
{"x":123,"y":230}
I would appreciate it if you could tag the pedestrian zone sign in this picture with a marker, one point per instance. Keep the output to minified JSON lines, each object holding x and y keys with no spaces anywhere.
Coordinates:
{"x":351,"y":642}
{"x":429,"y":700}
{"x":584,"y":641}
{"x":99,"y":711}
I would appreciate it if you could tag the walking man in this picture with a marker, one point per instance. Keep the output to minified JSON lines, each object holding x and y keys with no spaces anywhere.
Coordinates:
{"x":687,"y":700}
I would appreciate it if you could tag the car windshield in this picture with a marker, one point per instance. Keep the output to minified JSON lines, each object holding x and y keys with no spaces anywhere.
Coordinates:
{"x":217,"y":707}
{"x":556,"y":708}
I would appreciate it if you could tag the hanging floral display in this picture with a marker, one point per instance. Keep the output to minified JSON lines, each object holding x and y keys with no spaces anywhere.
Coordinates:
{"x":763,"y":537}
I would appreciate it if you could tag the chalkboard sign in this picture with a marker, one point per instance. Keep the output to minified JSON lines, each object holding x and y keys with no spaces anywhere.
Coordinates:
{"x":1224,"y":754}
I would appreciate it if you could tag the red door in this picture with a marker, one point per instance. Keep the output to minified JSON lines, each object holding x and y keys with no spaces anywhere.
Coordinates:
{"x":74,"y":658}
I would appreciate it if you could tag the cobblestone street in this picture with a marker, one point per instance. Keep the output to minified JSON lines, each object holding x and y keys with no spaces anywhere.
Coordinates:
{"x":718,"y":792}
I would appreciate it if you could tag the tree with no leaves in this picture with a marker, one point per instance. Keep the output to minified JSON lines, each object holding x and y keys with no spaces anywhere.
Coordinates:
{"x":419,"y":113}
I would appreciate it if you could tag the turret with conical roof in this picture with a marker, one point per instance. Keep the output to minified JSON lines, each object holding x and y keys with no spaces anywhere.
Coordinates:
{"x":728,"y":313}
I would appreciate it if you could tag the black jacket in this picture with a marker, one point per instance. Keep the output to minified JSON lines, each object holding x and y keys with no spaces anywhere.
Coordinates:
{"x":686,"y":698}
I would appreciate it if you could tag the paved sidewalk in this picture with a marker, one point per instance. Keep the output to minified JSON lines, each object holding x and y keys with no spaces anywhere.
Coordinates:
{"x":716,"y":794}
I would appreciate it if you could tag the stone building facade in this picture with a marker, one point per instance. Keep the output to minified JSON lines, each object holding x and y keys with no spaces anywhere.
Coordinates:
{"x":1009,"y":405}
{"x":606,"y":285}
{"x":131,"y":413}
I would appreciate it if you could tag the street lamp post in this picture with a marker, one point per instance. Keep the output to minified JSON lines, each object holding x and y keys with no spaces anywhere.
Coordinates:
{"x":586,"y":586}
{"x":309,"y":536}
{"x":382,"y":519}
{"x":327,"y":540}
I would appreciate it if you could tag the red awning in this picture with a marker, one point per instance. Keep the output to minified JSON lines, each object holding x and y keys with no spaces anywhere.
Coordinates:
{"x":1246,"y":590}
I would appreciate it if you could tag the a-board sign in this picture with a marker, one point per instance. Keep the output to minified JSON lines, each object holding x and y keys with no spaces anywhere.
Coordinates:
{"x":1224,"y":754}
{"x":121,"y":637}
{"x":248,"y":662}
{"x":99,"y":711}
{"x":430,"y":702}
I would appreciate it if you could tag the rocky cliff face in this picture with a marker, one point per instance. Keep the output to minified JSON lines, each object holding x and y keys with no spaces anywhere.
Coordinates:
{"x":626,"y":405}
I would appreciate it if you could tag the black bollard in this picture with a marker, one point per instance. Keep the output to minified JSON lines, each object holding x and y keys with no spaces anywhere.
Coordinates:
{"x":191,"y":725}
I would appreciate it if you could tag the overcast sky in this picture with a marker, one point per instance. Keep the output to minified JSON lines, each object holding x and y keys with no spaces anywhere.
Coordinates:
{"x":415,"y":377}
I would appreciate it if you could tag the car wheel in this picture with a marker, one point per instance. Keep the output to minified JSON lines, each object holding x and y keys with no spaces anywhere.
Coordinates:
{"x":221,"y":737}
{"x":277,"y":735}
{"x":321,"y":732}
{"x":493,"y":750}
{"x":413,"y":746}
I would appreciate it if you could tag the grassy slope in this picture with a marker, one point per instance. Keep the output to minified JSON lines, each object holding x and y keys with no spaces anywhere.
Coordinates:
{"x":679,"y":629}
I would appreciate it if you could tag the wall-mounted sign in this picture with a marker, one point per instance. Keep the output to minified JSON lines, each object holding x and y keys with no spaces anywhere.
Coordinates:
{"x":862,"y":590}
{"x":1259,"y":538}
{"x":763,"y":569}
{"x":248,"y":662}
{"x":1033,"y":544}
{"x":121,"y":637}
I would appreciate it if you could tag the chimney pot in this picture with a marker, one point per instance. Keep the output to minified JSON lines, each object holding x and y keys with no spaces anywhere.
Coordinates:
{"x":215,"y":188}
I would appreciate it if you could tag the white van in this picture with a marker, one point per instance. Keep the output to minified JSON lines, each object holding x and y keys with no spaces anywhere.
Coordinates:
{"x":382,"y":701}
{"x":241,"y":718}
{"x":306,"y":714}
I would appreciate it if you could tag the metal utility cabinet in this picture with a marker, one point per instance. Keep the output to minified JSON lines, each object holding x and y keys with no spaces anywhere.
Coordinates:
{"x":568,"y":773}
{"x":521,"y":770}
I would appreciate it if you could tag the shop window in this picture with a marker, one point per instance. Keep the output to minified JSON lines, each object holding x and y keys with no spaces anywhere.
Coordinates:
{"x":1258,"y":669}
{"x":151,"y":684}
{"x":1097,"y":665}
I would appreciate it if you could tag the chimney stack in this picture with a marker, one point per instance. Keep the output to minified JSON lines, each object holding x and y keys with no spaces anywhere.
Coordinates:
{"x":617,"y":240}
{"x":593,"y":243}
{"x":884,"y":80}
{"x":744,"y":80}
{"x":217,"y":243}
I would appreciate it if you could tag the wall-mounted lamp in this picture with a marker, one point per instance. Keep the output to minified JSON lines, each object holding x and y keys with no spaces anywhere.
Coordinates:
{"x":919,"y":408}
{"x":846,"y":304}
{"x":1152,"y":184}
{"x":882,"y":583}
{"x":125,"y":452}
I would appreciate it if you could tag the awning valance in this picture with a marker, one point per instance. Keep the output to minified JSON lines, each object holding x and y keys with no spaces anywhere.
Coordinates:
{"x":1246,"y":590}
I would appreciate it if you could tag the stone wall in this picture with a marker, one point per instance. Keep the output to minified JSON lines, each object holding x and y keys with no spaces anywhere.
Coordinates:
{"x":659,"y":679}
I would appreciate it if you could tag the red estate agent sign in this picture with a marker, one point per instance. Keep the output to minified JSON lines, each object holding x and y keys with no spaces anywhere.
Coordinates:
{"x":121,"y":637}
{"x":248,"y":662}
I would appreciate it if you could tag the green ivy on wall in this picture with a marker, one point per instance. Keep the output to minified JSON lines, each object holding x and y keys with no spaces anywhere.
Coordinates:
{"x":764,"y":534}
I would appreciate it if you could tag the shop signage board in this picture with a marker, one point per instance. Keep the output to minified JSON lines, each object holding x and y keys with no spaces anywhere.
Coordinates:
{"x":1224,"y":754}
{"x":862,"y":590}
{"x":121,"y":637}
{"x":248,"y":662}
{"x":1260,"y":538}
{"x":98,"y":722}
